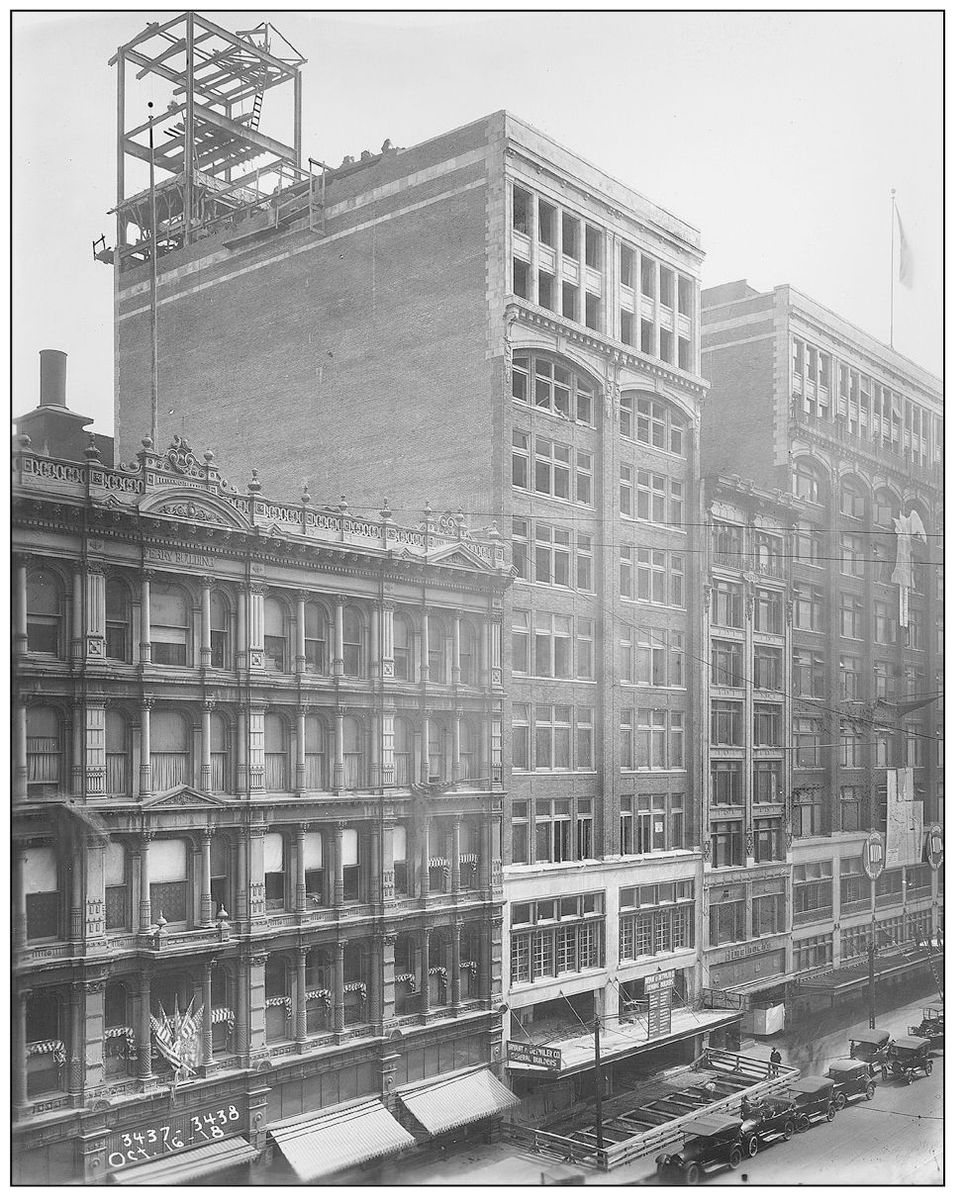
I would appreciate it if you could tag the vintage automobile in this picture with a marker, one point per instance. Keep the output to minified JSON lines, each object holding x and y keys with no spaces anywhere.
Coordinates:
{"x":710,"y":1142}
{"x":814,"y":1099}
{"x":909,"y":1054}
{"x":932,"y":1027}
{"x":766,"y":1120}
{"x":871,"y":1045}
{"x":853,"y":1079}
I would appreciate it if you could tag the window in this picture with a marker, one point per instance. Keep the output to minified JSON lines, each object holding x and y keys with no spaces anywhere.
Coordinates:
{"x":850,"y":677}
{"x":220,"y":632}
{"x":726,"y":723}
{"x":649,"y":420}
{"x":585,"y":828}
{"x":769,"y":844}
{"x":768,"y":668}
{"x":850,"y":743}
{"x":854,"y":811}
{"x":851,"y":610}
{"x":812,"y":953}
{"x":351,"y":869}
{"x":883,"y":675}
{"x":852,"y":498}
{"x":888,"y":888}
{"x":726,"y":844}
{"x":726,"y":911}
{"x":885,"y":622}
{"x":117,"y":754}
{"x":522,"y":209}
{"x":810,"y":813}
{"x":315,"y":641}
{"x":42,"y":893}
{"x":116,"y":888}
{"x":808,"y":673}
{"x":553,"y":737}
{"x":685,"y":296}
{"x":571,"y":234}
{"x":45,"y":751}
{"x":547,"y":221}
{"x":585,"y":649}
{"x":726,"y":604}
{"x":118,"y":620}
{"x":592,"y":309}
{"x":812,"y":891}
{"x":521,"y":737}
{"x":653,"y":576}
{"x":769,"y":555}
{"x":276,"y":754}
{"x":548,"y":559}
{"x":169,"y":625}
{"x":584,"y":752}
{"x":855,"y":888}
{"x":806,"y":481}
{"x":809,"y":608}
{"x":557,"y":936}
{"x":593,"y":247}
{"x":854,"y":554}
{"x":768,"y":612}
{"x":521,"y":641}
{"x":520,"y":834}
{"x":726,"y":663}
{"x":726,"y":783}
{"x":553,"y":387}
{"x":659,"y":739}
{"x":767,"y":782}
{"x":274,"y":872}
{"x":168,"y":875}
{"x":807,"y":742}
{"x":767,"y":908}
{"x":353,"y":661}
{"x":521,"y":278}
{"x":45,"y":613}
{"x":727,"y":545}
{"x":546,"y":288}
{"x":651,"y":497}
{"x":170,"y":757}
{"x":808,"y":543}
{"x":656,"y":919}
{"x":768,"y":726}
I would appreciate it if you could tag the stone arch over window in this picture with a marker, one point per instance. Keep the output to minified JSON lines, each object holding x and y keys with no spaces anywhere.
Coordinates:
{"x":117,"y":600}
{"x":46,"y":751}
{"x":853,"y":497}
{"x":403,"y":645}
{"x":277,"y":622}
{"x":46,"y":608}
{"x":278,"y":749}
{"x":654,"y":421}
{"x":555,"y":385}
{"x":170,"y":750}
{"x":117,"y":748}
{"x":316,"y":637}
{"x":809,"y":480}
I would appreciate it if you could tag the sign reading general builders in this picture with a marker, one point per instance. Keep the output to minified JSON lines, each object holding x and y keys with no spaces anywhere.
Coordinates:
{"x":530,"y":1053}
{"x":873,"y":856}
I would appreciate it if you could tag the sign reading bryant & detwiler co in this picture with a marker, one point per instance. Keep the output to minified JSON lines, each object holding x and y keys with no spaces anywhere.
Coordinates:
{"x":531,"y":1053}
{"x":178,"y":1131}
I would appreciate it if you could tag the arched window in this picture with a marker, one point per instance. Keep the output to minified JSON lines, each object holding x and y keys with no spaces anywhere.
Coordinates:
{"x":117,"y":599}
{"x":277,"y":747}
{"x":42,"y":893}
{"x":853,"y":494}
{"x":356,"y":973}
{"x":276,"y":638}
{"x":554,"y":387}
{"x":170,"y":751}
{"x":318,"y":1008}
{"x":222,"y":1010}
{"x":885,"y":509}
{"x":170,"y":625}
{"x":353,"y":661}
{"x":316,"y":776}
{"x":468,"y":650}
{"x":403,"y":747}
{"x":469,"y":765}
{"x":45,"y":613}
{"x":168,"y":877}
{"x":649,"y":420}
{"x":353,"y":753}
{"x":437,"y":650}
{"x":351,"y":866}
{"x":315,"y":625}
{"x":45,"y":751}
{"x":274,"y":871}
{"x":220,"y":631}
{"x":221,"y":781}
{"x":47,"y":1032}
{"x":117,"y":745}
{"x":402,"y":646}
{"x":220,"y":876}
{"x":806,"y":481}
{"x":117,"y":888}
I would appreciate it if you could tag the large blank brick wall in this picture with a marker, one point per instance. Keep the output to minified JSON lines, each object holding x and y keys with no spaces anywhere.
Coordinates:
{"x":346,"y":364}
{"x":737,"y":423}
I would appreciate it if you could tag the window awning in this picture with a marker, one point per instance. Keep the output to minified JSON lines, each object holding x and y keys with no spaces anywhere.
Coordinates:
{"x":190,"y":1165}
{"x":454,"y":1101}
{"x":838,"y":980}
{"x":332,"y":1140}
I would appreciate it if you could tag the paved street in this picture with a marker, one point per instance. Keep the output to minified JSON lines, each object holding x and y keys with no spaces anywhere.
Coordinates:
{"x":896,"y":1139}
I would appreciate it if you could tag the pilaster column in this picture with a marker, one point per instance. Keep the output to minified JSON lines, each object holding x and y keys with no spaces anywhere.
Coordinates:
{"x":300,"y":831}
{"x":256,"y":1001}
{"x":388,"y":862}
{"x":424,"y":971}
{"x":338,"y":990}
{"x":19,"y":605}
{"x":387,"y":955}
{"x":339,"y":769}
{"x":206,"y":1051}
{"x":241,"y":752}
{"x":142,"y":1033}
{"x":424,"y":745}
{"x":454,"y":858}
{"x":496,"y":655}
{"x":77,"y":615}
{"x":206,"y":917}
{"x":19,"y":749}
{"x":18,"y":1058}
{"x":449,"y":742}
{"x":144,"y":648}
{"x":386,"y":720}
{"x":455,"y":985}
{"x":388,"y":663}
{"x":300,"y":633}
{"x":256,"y":749}
{"x":206,"y":622}
{"x":243,"y":1008}
{"x":301,"y":1019}
{"x":145,"y":784}
{"x":206,"y":707}
{"x":338,"y":891}
{"x":256,"y":625}
{"x":338,"y":658}
{"x":145,"y":906}
{"x":375,"y":866}
{"x":96,"y":607}
{"x":300,"y":747}
{"x":78,"y":731}
{"x":77,"y":896}
{"x":241,"y":630}
{"x":457,"y":632}
{"x":18,"y":890}
{"x":424,"y":646}
{"x":95,"y":749}
{"x":457,"y":773}
{"x":424,"y":857}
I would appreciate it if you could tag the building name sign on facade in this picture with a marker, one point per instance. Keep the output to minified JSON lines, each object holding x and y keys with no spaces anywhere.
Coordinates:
{"x":181,"y":1131}
{"x":747,"y":951}
{"x":527,"y":1053}
{"x":186,"y":559}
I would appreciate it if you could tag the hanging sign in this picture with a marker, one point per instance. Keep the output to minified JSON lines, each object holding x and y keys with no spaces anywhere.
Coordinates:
{"x":934,"y":846}
{"x":873,"y":856}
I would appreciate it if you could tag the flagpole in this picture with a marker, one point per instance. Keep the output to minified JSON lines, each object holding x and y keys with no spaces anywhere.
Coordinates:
{"x":154,"y":284}
{"x":892,"y":272}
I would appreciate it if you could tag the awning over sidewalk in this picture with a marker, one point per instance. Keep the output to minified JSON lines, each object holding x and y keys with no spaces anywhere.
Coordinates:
{"x":854,"y":976}
{"x":333,"y":1140}
{"x":455,"y":1101}
{"x":191,"y":1165}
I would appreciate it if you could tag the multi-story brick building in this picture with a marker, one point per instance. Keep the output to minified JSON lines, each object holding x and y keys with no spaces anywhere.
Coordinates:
{"x":803,"y":401}
{"x":258,"y":780}
{"x":488,"y":318}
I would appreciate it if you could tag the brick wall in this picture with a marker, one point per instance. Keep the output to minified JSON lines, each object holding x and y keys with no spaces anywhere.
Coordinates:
{"x":737,"y":422}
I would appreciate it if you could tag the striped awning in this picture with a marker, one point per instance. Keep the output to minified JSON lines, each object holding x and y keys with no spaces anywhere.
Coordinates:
{"x":332,"y":1140}
{"x":190,"y":1165}
{"x":443,"y":1104}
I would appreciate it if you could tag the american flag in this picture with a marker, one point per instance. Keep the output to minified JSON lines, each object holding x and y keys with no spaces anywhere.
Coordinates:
{"x":177,"y":1036}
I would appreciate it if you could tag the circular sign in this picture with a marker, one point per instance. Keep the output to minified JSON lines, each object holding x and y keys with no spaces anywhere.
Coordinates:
{"x":934,"y":846}
{"x":873,"y":856}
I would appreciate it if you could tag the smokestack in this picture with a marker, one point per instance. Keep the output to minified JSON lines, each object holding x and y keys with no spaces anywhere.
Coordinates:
{"x":53,"y":378}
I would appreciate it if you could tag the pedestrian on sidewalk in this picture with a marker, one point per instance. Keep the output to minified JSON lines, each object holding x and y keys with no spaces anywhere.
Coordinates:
{"x":774,"y":1061}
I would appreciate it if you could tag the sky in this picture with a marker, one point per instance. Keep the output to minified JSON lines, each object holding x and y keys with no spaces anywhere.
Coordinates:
{"x":779,"y":135}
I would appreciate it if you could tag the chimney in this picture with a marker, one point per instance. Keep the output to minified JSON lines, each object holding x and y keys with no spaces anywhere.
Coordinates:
{"x":53,"y":379}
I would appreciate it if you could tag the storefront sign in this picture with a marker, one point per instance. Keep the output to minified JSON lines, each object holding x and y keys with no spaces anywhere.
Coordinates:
{"x":530,"y":1053}
{"x":179,"y":1131}
{"x":873,"y":856}
{"x":743,"y":951}
{"x":935,"y":847}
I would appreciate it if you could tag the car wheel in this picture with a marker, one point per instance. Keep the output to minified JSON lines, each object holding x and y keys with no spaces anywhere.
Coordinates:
{"x":692,"y":1175}
{"x":839,"y":1100}
{"x":870,"y":1090}
{"x":788,"y":1130}
{"x":735,"y":1158}
{"x":830,"y":1113}
{"x":928,"y":1067}
{"x":801,"y":1123}
{"x":752,"y":1145}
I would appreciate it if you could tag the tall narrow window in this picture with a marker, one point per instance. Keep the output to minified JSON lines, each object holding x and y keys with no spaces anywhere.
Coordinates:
{"x":276,"y":754}
{"x":45,"y":751}
{"x":315,"y":625}
{"x":118,"y":620}
{"x":276,"y":640}
{"x":170,"y":759}
{"x":168,"y":876}
{"x":221,"y":780}
{"x":274,"y":872}
{"x":220,"y":631}
{"x":45,"y":613}
{"x":402,"y":647}
{"x":352,"y":643}
{"x":117,"y":748}
{"x":170,"y":625}
{"x":316,"y":777}
{"x":354,"y":750}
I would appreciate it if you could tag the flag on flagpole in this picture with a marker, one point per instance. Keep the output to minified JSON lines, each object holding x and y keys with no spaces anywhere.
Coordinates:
{"x":905,"y":256}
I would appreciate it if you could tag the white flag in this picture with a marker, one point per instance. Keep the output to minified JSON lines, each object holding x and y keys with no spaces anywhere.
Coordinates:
{"x":905,"y":256}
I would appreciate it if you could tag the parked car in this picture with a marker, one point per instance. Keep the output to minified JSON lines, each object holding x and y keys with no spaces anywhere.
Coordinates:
{"x":909,"y":1055}
{"x":710,"y":1142}
{"x":814,"y":1099}
{"x":766,"y":1120}
{"x":871,"y":1045}
{"x":853,"y":1079}
{"x":932,"y":1027}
